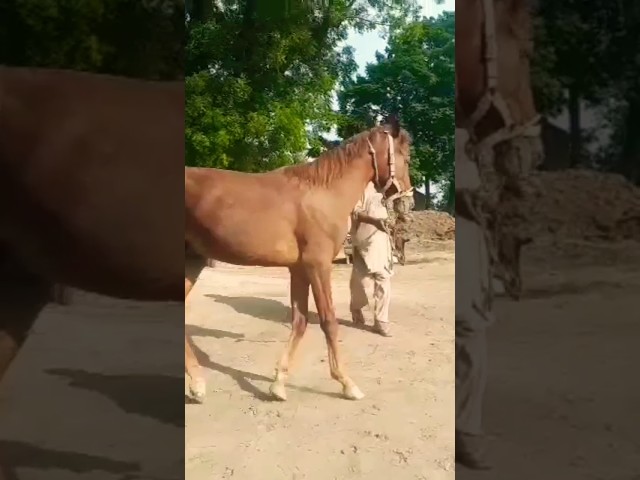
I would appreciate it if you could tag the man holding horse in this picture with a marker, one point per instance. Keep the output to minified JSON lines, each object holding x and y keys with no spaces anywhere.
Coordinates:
{"x":372,"y":259}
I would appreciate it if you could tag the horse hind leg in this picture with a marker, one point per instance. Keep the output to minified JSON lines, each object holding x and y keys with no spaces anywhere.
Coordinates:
{"x":197,"y":386}
{"x":320,"y":279}
{"x":299,"y":321}
{"x":196,"y":382}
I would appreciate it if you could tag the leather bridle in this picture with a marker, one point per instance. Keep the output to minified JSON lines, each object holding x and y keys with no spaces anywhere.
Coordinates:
{"x":392,"y":180}
{"x":493,"y":98}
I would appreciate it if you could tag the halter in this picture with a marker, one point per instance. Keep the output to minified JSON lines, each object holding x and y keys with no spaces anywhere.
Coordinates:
{"x":509,"y":131}
{"x":392,"y":171}
{"x":493,"y":98}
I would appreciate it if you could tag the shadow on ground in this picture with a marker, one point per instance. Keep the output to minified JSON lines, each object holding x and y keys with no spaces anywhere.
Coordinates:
{"x":263,"y":308}
{"x":268,"y":309}
{"x":243,"y":379}
{"x":152,"y":396}
{"x":15,"y":455}
{"x":538,"y":292}
{"x":197,"y":331}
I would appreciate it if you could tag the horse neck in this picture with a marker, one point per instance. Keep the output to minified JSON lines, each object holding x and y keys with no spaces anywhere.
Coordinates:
{"x":351,"y":185}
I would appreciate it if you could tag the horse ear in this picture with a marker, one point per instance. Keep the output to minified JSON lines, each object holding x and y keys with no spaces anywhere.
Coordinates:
{"x":394,"y":125}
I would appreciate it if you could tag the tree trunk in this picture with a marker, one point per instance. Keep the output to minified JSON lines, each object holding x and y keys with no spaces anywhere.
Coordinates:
{"x":427,"y":194}
{"x":575,"y":132}
{"x":450,"y":198}
{"x":630,"y":160}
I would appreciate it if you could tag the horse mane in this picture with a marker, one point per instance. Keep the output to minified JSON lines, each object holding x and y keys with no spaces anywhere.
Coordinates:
{"x":332,"y":164}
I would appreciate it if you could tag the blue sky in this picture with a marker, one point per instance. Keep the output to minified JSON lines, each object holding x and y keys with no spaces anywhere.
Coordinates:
{"x":368,"y":43}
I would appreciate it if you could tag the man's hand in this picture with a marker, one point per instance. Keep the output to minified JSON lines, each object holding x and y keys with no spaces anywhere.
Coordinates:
{"x":380,"y":223}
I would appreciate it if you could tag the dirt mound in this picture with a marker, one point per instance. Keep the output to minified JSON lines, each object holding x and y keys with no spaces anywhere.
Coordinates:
{"x":430,"y":225}
{"x":579,"y":204}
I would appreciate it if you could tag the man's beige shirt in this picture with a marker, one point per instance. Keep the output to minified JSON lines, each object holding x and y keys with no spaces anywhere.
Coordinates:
{"x":372,"y":244}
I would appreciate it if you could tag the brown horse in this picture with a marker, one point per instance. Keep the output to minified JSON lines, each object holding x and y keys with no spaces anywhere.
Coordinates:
{"x":90,"y":191}
{"x":291,"y":217}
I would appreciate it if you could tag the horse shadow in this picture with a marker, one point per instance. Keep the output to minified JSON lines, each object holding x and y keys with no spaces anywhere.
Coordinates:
{"x":271,"y":310}
{"x":14,"y":455}
{"x":198,"y":331}
{"x":147,"y":395}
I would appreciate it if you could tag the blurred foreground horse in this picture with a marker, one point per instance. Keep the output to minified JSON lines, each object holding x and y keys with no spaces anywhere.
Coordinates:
{"x":90,"y":191}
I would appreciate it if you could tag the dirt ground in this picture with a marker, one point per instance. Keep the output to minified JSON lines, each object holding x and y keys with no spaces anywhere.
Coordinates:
{"x":88,"y":373}
{"x":561,"y":397}
{"x":426,"y":227}
{"x":561,"y":400}
{"x":402,"y":429}
{"x":101,"y":366}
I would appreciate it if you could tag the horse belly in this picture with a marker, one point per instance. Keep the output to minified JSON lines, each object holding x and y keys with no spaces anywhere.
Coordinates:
{"x":267,"y":247}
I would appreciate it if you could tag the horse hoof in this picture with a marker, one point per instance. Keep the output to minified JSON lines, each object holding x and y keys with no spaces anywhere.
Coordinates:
{"x":278,"y":391}
{"x":353,"y":393}
{"x":198,"y":388}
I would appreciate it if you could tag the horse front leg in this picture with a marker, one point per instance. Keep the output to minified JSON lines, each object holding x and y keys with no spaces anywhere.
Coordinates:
{"x":299,"y":321}
{"x":196,"y":382}
{"x":320,"y":278}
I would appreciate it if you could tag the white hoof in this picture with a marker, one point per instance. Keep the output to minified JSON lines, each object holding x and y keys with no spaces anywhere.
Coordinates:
{"x":198,"y":389}
{"x":278,"y":391}
{"x":353,"y":393}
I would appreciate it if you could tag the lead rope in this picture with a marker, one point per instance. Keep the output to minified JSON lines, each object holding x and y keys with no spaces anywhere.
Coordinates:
{"x":392,"y":173}
{"x":372,"y":152}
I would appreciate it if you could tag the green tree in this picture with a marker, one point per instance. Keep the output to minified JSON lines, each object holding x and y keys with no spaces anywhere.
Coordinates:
{"x":260,"y":76}
{"x":572,"y":62}
{"x":415,"y":78}
{"x":586,"y":51}
{"x":121,"y":37}
{"x":622,"y":97}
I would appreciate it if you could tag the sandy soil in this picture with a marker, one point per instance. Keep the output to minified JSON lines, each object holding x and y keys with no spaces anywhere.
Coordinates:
{"x":428,"y":226}
{"x":561,"y":399}
{"x":563,"y":393}
{"x":87,"y":374}
{"x":402,"y":429}
{"x":101,"y":367}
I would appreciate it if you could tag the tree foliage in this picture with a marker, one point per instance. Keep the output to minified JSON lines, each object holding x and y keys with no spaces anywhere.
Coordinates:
{"x":133,"y":38}
{"x":414,"y":77}
{"x":260,"y":76}
{"x":587,"y":51}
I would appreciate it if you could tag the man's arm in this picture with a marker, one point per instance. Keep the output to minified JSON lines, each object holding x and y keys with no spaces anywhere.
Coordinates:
{"x":358,"y":215}
{"x":379,"y":223}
